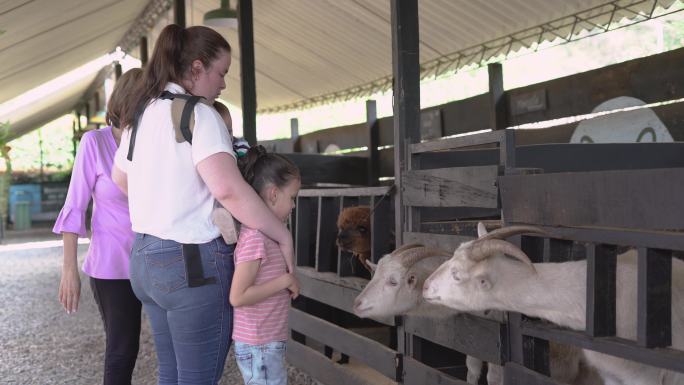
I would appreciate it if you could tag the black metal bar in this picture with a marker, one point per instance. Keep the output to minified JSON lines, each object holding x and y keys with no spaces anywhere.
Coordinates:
{"x":601,"y":286}
{"x":179,"y":12}
{"x":381,"y":223}
{"x":144,"y":56}
{"x":373,"y":143}
{"x":497,"y":117}
{"x":654,"y":303}
{"x":306,"y":219}
{"x":406,"y":72}
{"x":247,"y":70}
{"x":326,"y":251}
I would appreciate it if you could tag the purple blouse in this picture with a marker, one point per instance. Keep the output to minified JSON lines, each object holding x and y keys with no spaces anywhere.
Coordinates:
{"x":112,"y":237}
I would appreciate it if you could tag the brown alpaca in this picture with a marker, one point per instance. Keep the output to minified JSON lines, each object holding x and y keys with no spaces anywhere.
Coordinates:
{"x":354,"y":233}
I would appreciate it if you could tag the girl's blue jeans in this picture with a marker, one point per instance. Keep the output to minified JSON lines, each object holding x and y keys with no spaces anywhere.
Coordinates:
{"x":192,"y":326}
{"x":262,"y":364}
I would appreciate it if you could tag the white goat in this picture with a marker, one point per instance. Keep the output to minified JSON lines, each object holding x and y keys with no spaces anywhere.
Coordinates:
{"x":479,"y":277}
{"x":396,"y":288}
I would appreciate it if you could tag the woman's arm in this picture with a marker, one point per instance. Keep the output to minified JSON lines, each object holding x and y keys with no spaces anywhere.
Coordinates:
{"x":222,"y":177}
{"x":70,"y":284}
{"x":244,"y":292}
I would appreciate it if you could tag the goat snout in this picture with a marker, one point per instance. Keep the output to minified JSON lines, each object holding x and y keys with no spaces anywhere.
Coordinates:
{"x":430,"y":291}
{"x":360,"y":305}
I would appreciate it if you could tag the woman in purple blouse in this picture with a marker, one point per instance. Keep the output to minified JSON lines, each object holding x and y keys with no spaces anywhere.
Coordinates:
{"x":107,"y":260}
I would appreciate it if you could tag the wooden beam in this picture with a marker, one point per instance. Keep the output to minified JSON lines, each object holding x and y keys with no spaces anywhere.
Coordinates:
{"x":247,"y":70}
{"x":373,"y":143}
{"x":417,"y":373}
{"x":448,"y":187}
{"x":406,"y":74}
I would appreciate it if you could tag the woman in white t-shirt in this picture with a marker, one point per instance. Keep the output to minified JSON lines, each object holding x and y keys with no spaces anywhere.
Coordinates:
{"x":180,"y":268}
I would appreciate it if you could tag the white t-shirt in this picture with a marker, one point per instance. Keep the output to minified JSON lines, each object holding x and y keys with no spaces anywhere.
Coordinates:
{"x":166,"y":196}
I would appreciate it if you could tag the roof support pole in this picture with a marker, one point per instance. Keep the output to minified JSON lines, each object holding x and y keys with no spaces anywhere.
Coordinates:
{"x":179,"y":12}
{"x":406,"y":89}
{"x":144,"y":57}
{"x":117,"y":72}
{"x":247,"y":69}
{"x":373,"y":142}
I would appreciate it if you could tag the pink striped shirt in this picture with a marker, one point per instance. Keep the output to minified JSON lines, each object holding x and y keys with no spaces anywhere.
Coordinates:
{"x":265,"y":321}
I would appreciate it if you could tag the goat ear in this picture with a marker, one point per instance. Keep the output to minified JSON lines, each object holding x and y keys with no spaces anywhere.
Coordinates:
{"x":484,"y":282}
{"x":373,"y":266}
{"x":481,"y":229}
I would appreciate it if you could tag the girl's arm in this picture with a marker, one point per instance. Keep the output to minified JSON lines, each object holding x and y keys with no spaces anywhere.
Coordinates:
{"x":222,"y":176}
{"x":244,"y":292}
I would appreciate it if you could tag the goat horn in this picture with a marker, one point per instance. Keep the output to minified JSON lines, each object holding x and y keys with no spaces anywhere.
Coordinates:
{"x":506,"y":232}
{"x":482,"y":250}
{"x":412,"y":256}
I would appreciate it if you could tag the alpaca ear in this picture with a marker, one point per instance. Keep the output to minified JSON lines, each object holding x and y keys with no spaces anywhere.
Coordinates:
{"x":484,"y":282}
{"x":481,"y":229}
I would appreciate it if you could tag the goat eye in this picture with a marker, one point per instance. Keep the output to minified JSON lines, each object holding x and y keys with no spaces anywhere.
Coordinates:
{"x":454,"y":275}
{"x":393,"y":282}
{"x":411,"y":279}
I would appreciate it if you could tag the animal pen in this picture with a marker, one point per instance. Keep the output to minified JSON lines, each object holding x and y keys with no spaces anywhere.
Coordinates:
{"x":593,"y":199}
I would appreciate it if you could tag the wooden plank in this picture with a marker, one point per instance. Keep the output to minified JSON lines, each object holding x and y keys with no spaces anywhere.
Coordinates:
{"x":459,"y":186}
{"x":666,"y":358}
{"x":320,"y":367}
{"x":448,"y":243}
{"x":339,"y":192}
{"x":601,"y":290}
{"x":458,"y":142}
{"x":366,"y":350}
{"x":465,"y":333}
{"x":334,"y":291}
{"x":654,"y":298}
{"x":326,"y":249}
{"x":416,"y":373}
{"x":618,"y":199}
{"x":316,"y":168}
{"x":669,"y":240}
{"x":515,"y":374}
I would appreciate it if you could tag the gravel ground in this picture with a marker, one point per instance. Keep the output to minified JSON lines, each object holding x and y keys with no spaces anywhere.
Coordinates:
{"x":40,"y":344}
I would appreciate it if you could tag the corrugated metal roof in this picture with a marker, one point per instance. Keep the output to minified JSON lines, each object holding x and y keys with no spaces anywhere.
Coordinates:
{"x":306,"y":51}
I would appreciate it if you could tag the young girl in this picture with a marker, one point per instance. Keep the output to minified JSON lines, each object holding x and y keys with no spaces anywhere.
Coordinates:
{"x":262,"y":286}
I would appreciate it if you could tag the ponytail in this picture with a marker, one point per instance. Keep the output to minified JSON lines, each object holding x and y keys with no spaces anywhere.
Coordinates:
{"x":260,"y":168}
{"x":175,"y":50}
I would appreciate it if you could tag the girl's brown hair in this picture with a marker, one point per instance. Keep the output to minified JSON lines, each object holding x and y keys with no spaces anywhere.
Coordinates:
{"x":123,"y":91}
{"x":171,"y":61}
{"x":260,"y":168}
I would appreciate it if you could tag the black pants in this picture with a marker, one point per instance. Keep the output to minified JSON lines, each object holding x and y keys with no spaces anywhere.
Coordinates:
{"x":120,"y":311}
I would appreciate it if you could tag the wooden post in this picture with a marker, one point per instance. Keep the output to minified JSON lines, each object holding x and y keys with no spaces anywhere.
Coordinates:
{"x":294,"y":129}
{"x":406,"y":71}
{"x":497,"y":119}
{"x":179,"y":12}
{"x":144,"y":57}
{"x":406,"y":87}
{"x":247,"y":70}
{"x":373,"y":142}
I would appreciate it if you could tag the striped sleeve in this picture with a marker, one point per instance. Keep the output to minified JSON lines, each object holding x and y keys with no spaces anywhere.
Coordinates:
{"x":251,"y":246}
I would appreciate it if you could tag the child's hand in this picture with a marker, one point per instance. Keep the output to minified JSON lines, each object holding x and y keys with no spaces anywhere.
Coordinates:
{"x":294,"y":286}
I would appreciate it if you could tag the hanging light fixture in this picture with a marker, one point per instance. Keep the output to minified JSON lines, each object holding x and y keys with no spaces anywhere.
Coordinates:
{"x":222,"y":17}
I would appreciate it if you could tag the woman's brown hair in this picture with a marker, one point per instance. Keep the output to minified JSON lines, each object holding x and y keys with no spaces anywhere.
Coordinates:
{"x":123,"y":91}
{"x":175,"y":50}
{"x":260,"y":168}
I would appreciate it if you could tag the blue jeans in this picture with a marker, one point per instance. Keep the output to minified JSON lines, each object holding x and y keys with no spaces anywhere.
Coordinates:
{"x":192,"y":326}
{"x":262,"y":364}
